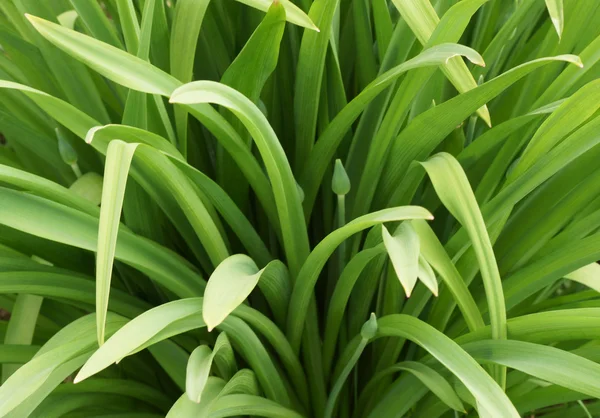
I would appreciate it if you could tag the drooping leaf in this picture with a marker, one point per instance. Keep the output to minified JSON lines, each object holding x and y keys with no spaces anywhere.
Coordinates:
{"x":403,"y":249}
{"x":452,"y":186}
{"x":228,"y":287}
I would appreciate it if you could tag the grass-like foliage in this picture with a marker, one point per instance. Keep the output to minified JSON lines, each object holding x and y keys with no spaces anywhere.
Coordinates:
{"x":299,"y":208}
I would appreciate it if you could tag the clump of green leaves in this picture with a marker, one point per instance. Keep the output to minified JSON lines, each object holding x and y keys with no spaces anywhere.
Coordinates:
{"x":320,"y":208}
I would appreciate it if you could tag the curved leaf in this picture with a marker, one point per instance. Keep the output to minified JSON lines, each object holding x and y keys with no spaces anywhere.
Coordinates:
{"x":287,"y":199}
{"x":453,"y":357}
{"x":307,"y":278}
{"x":228,"y":287}
{"x":403,"y":249}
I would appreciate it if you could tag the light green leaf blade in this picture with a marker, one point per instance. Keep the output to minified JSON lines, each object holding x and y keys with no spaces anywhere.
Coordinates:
{"x":307,"y":278}
{"x":433,"y":251}
{"x":429,"y":377}
{"x":198,"y":369}
{"x":555,"y":10}
{"x":325,"y":148}
{"x":184,"y":407}
{"x":67,"y":19}
{"x":200,"y":364}
{"x":185,"y":31}
{"x":116,"y":172}
{"x":129,"y":24}
{"x":232,"y":405}
{"x":571,"y":113}
{"x":425,"y":132}
{"x":56,"y":222}
{"x":454,"y":190}
{"x":427,"y":276}
{"x":423,"y":19}
{"x":287,"y":199}
{"x":21,"y":326}
{"x":454,"y":358}
{"x":113,"y":63}
{"x":243,"y":382}
{"x":228,"y":287}
{"x":152,"y":326}
{"x":575,"y":372}
{"x":403,"y":250}
{"x":96,"y":21}
{"x":293,"y":13}
{"x":588,"y":275}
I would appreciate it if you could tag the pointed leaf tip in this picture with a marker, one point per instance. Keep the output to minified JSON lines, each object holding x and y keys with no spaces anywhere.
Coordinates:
{"x":403,"y":249}
{"x":228,"y":287}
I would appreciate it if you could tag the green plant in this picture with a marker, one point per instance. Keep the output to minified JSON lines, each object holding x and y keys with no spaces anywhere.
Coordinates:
{"x":251,"y":229}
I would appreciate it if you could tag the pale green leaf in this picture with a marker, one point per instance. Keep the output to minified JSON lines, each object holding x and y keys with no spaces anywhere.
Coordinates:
{"x":588,"y":275}
{"x":403,"y":249}
{"x":555,"y":10}
{"x":228,"y":287}
{"x":116,"y":172}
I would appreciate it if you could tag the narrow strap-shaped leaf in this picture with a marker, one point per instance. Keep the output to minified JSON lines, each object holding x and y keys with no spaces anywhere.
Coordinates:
{"x":46,"y":188}
{"x":368,"y":331}
{"x":575,"y":372}
{"x":121,"y":67}
{"x":275,"y":283}
{"x":225,"y":357}
{"x":422,"y":19}
{"x":449,"y":29}
{"x":314,"y":170}
{"x":59,"y":223}
{"x":57,"y":359}
{"x":161,"y":321}
{"x":137,"y":74}
{"x":293,"y":13}
{"x":21,"y":326}
{"x":426,"y":375}
{"x":433,"y":251}
{"x":116,"y":172}
{"x":339,"y":301}
{"x":191,"y":202}
{"x":555,"y":10}
{"x":452,"y":186}
{"x":129,"y":25}
{"x":427,"y":275}
{"x":184,"y":407}
{"x":307,"y":278}
{"x":96,"y":21}
{"x":248,"y":74}
{"x":17,"y":353}
{"x":570,"y":114}
{"x":309,"y":76}
{"x":454,"y":358}
{"x":293,"y":225}
{"x":234,"y":405}
{"x":187,"y":21}
{"x":425,"y":132}
{"x":100,"y":137}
